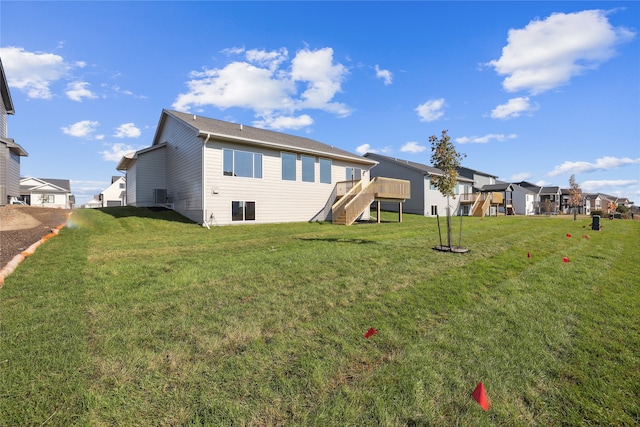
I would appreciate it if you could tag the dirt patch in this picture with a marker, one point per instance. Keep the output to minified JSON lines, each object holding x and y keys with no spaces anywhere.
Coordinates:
{"x":22,"y":226}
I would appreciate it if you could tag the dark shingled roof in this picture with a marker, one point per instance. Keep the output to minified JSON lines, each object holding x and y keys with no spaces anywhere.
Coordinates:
{"x":256,"y":136}
{"x":412,"y":165}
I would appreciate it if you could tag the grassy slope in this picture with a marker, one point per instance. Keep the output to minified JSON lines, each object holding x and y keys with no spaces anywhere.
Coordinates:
{"x":130,"y":320}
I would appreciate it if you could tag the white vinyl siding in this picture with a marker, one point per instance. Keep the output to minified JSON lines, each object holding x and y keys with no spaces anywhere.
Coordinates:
{"x":276,"y":200}
{"x":3,"y":119}
{"x":13,"y":184}
{"x":132,"y":186}
{"x":184,"y":168}
{"x":151,"y":167}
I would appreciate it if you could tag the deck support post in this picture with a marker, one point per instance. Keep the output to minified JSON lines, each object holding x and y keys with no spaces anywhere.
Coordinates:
{"x":378,"y":212}
{"x":399,"y":211}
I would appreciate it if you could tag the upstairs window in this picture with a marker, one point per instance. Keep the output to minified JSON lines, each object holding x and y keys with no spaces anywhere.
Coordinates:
{"x":308,"y":169}
{"x":288,"y":166}
{"x":242,"y":163}
{"x":325,"y":171}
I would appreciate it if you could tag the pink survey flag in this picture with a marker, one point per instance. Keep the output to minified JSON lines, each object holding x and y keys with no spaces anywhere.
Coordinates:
{"x":565,"y":259}
{"x":480,"y":396}
{"x":370,"y":332}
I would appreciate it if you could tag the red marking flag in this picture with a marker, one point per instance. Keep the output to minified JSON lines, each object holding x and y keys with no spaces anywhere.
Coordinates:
{"x":480,"y":396}
{"x":528,"y":254}
{"x":370,"y":332}
{"x":565,"y":259}
{"x":568,"y":235}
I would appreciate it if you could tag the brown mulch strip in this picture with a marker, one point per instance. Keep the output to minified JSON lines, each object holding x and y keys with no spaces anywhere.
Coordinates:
{"x":13,"y":242}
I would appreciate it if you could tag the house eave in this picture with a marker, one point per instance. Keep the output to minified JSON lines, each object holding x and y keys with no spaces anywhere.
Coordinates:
{"x":254,"y":142}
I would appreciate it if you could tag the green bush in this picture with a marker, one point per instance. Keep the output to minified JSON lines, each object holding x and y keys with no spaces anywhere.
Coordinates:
{"x":596,"y":212}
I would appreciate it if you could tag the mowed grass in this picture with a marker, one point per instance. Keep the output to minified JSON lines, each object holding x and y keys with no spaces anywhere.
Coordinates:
{"x":134,"y":317}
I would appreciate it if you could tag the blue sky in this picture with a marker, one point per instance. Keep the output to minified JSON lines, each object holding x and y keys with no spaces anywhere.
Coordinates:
{"x":532,"y":91}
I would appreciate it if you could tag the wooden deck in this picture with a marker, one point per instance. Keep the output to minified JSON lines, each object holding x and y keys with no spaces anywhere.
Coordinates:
{"x":354,"y":197}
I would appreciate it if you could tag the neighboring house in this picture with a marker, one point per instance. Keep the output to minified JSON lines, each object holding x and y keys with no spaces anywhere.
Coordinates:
{"x":567,"y":208}
{"x":480,"y":179}
{"x":425,"y":199}
{"x":623,"y":201}
{"x":525,"y":198}
{"x":115,"y":194}
{"x":608,"y":203}
{"x":94,"y":203}
{"x":47,"y":193}
{"x":10,"y":152}
{"x":217,"y":173}
{"x":505,"y":189}
{"x":593,"y":202}
{"x":550,"y":199}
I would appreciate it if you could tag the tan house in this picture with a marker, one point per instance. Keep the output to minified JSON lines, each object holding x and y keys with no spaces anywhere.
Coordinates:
{"x":218,"y":173}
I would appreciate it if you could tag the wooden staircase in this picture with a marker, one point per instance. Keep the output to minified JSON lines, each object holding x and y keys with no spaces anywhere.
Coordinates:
{"x":355,"y":201}
{"x":483,"y":201}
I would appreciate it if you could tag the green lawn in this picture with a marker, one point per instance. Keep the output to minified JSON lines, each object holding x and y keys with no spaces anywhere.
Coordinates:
{"x":133,"y":317}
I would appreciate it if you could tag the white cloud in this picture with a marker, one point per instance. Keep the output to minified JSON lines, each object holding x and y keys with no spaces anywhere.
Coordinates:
{"x":264,"y":84}
{"x":116,"y":151}
{"x":412,"y":147}
{"x":513,"y":108}
{"x":127,"y":130}
{"x":548,"y":53}
{"x":592,"y":186}
{"x":272,"y":60}
{"x":522,"y":176}
{"x":542,"y":183}
{"x":78,"y":90}
{"x":431,"y":110}
{"x":323,"y":78}
{"x":283,"y":122}
{"x":34,"y":72}
{"x":604,"y":163}
{"x":364,"y":149}
{"x":118,"y":89}
{"x":82,"y":129}
{"x":385,"y":75}
{"x":485,"y":139}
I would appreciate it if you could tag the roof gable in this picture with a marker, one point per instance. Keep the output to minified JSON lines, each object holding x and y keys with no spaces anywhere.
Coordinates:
{"x":43,"y":184}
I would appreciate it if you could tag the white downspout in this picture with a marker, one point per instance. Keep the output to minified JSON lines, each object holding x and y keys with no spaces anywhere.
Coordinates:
{"x":204,"y":182}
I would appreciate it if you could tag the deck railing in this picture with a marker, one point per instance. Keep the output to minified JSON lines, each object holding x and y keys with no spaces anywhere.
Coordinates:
{"x":359,"y":197}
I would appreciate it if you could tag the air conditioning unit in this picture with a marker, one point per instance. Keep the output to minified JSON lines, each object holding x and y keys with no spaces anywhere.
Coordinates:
{"x":159,"y":195}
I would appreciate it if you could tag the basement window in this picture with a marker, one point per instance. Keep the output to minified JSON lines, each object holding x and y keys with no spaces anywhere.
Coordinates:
{"x":243,"y":211}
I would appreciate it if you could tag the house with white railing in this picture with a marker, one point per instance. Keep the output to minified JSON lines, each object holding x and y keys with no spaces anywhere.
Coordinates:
{"x":219,"y":173}
{"x":425,"y":198}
